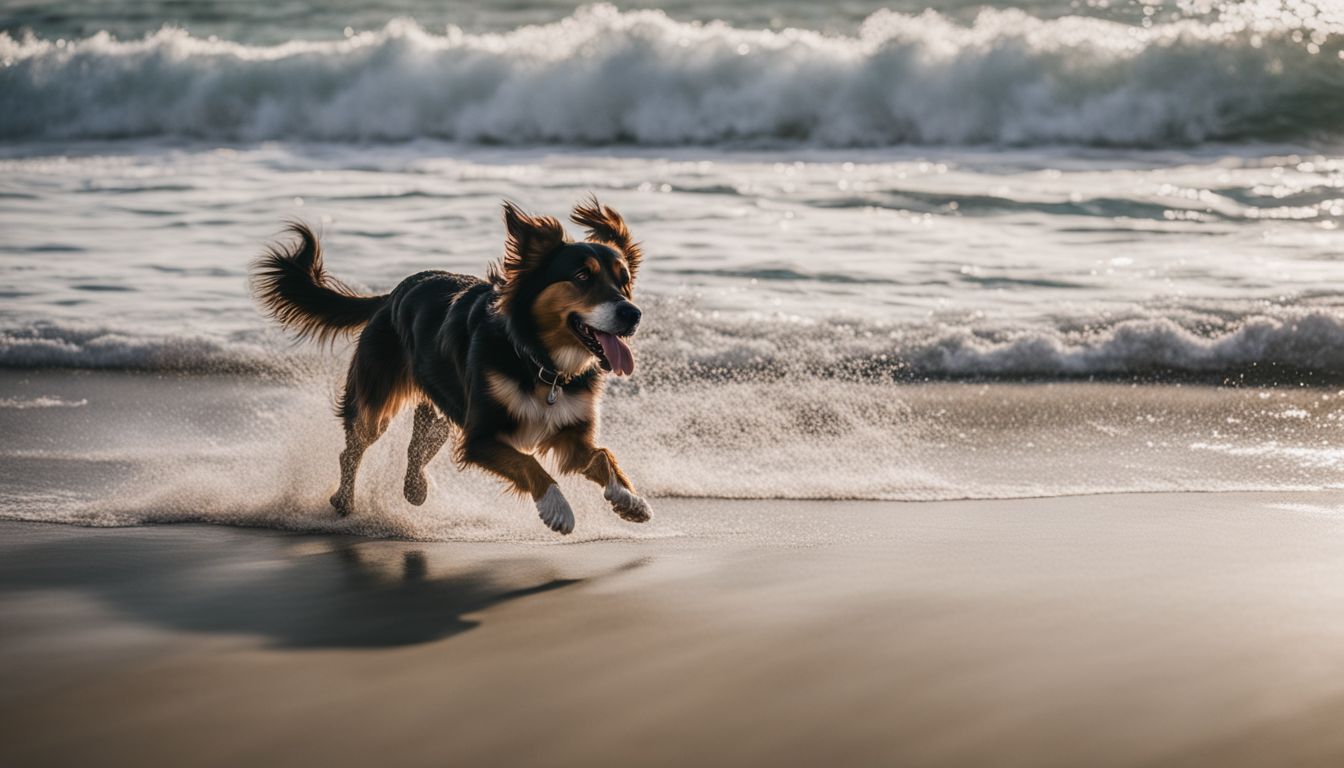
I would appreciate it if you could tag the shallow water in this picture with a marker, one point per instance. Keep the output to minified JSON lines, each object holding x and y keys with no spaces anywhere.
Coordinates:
{"x":915,"y":261}
{"x":837,"y":207}
{"x":108,"y":448}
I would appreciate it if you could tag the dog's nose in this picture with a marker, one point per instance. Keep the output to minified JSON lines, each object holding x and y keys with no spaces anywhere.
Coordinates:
{"x":629,"y":314}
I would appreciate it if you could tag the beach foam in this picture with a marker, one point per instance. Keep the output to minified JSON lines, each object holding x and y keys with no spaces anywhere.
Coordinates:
{"x":265,"y":458}
{"x":245,"y":451}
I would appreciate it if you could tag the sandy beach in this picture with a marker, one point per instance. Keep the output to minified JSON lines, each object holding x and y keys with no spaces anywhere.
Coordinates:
{"x":1176,"y":629}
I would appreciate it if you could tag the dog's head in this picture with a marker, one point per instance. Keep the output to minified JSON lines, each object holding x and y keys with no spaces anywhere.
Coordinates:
{"x":573,"y":298}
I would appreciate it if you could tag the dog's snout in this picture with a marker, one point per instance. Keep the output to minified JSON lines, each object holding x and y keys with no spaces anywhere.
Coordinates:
{"x":628,"y":314}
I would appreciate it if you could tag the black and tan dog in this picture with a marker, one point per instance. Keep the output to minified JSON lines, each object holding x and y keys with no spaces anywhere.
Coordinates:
{"x":512,"y":364}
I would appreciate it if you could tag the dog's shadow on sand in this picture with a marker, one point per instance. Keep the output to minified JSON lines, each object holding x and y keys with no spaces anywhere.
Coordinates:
{"x":350,"y":594}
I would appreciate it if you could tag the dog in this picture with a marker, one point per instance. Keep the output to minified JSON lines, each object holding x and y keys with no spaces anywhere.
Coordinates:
{"x":512,"y":364}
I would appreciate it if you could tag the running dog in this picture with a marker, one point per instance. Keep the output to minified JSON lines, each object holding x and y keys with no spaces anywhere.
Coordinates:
{"x":512,"y":365}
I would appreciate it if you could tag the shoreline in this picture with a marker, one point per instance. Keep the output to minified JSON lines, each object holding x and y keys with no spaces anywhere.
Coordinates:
{"x":107,"y":448}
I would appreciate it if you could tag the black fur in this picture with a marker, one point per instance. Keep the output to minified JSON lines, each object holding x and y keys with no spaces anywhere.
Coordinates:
{"x":293,"y":288}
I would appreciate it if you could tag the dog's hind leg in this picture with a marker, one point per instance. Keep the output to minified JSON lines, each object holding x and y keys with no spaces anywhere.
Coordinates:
{"x":429,"y":434}
{"x":376,"y":388}
{"x":359,"y":435}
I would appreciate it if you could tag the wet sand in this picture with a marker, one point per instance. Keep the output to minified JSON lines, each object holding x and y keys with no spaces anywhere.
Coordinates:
{"x":1163,"y":629}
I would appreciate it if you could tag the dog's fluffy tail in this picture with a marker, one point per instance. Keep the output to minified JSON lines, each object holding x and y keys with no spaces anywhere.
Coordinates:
{"x":291,"y":285}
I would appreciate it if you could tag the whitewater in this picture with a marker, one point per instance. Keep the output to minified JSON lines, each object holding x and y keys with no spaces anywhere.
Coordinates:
{"x":994,"y":252}
{"x":603,"y":76}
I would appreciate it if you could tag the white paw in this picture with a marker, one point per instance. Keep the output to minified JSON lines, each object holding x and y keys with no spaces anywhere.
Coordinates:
{"x":626,"y":504}
{"x":554,"y":511}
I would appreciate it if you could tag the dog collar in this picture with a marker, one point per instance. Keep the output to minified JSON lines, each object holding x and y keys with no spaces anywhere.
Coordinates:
{"x":554,"y":382}
{"x":543,"y":373}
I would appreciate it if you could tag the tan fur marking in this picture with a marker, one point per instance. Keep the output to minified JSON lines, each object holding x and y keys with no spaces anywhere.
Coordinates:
{"x":575,"y":453}
{"x":404,"y":392}
{"x":623,"y":280}
{"x":552,"y":309}
{"x":522,"y":471}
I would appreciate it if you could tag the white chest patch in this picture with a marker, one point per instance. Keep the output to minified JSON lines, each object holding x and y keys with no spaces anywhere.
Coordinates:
{"x":537,"y":420}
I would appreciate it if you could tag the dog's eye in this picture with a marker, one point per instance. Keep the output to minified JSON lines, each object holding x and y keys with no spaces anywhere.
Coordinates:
{"x":582,"y":276}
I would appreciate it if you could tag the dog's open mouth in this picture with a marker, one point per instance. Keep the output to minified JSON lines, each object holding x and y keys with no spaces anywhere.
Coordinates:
{"x":612,"y":352}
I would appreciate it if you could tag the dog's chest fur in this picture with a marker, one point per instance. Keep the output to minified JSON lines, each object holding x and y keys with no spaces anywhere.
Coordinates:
{"x":536,"y":419}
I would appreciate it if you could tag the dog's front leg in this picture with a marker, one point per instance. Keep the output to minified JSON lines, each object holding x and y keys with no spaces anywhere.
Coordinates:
{"x":576,"y":453}
{"x":603,"y":469}
{"x":526,"y":475}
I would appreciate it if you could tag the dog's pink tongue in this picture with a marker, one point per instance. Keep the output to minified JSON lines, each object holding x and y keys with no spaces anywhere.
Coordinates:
{"x":618,"y":354}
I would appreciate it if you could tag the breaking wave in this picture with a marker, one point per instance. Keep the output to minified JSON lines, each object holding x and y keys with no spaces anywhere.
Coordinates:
{"x":684,"y":344}
{"x":89,"y":345}
{"x":604,"y":76}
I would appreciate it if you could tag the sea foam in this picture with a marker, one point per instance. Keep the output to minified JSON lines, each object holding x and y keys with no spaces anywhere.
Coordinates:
{"x":683,"y":345}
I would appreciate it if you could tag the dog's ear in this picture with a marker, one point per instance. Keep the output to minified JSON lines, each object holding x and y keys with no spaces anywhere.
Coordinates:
{"x":604,"y":224}
{"x":529,"y":239}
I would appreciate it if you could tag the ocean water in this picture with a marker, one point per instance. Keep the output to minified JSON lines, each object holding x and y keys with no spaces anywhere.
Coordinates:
{"x":862,"y":220}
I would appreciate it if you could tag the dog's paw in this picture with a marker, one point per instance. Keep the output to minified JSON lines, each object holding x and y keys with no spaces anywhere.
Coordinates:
{"x":626,"y":504}
{"x":341,"y":504}
{"x":555,"y":512}
{"x":417,"y":487}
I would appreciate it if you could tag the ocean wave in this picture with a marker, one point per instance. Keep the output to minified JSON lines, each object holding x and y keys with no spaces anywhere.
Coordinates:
{"x":86,"y":345}
{"x":684,"y":344}
{"x":1170,"y":343}
{"x":1254,"y":72}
